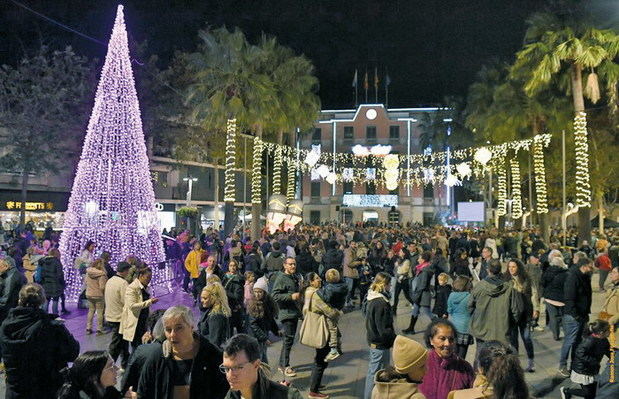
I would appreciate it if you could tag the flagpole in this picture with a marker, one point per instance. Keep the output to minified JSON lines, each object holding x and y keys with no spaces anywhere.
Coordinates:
{"x":375,"y":85}
{"x":366,"y":85}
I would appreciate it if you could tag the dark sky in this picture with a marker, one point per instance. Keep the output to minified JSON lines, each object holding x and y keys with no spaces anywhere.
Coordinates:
{"x":431,"y":48}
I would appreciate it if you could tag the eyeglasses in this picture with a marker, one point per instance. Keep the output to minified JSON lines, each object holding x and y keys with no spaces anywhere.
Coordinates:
{"x":225,"y":369}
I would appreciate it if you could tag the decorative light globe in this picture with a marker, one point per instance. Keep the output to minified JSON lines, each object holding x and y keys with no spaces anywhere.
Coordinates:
{"x":483,"y":155}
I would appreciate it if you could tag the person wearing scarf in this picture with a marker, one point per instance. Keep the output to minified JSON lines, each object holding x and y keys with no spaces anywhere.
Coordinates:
{"x":421,"y":296}
{"x":445,"y":370}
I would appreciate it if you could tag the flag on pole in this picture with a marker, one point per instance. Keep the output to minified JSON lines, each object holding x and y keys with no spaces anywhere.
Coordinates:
{"x":376,"y":81}
{"x":354,"y":80}
{"x":365,"y":81}
{"x":387,"y":81}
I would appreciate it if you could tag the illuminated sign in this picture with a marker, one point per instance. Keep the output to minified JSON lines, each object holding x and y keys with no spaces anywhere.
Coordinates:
{"x":30,"y":206}
{"x":368,"y":200}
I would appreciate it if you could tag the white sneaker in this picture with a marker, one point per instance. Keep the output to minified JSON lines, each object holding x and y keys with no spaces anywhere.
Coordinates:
{"x":333,"y":354}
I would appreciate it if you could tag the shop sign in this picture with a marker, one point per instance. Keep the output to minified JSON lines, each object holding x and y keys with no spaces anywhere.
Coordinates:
{"x":30,"y":206}
{"x":369,"y":200}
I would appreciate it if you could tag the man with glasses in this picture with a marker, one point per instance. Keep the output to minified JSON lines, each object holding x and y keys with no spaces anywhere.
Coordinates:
{"x":287,"y":294}
{"x":242,"y":367}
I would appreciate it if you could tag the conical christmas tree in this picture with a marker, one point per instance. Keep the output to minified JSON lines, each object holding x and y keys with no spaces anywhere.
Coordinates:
{"x":112,"y":201}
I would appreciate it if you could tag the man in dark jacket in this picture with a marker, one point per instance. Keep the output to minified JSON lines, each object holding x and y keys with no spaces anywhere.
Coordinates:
{"x":241,"y":363}
{"x":35,"y":347}
{"x":11,"y":281}
{"x":287,"y":294}
{"x":333,"y":258}
{"x":577,"y":298}
{"x":274,"y":260}
{"x":494,"y":306}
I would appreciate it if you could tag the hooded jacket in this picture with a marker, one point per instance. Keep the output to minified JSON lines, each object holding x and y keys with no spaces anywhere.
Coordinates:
{"x":52,"y":276}
{"x":578,"y":295}
{"x":494,"y":307}
{"x":334,"y":294}
{"x":35,"y":347}
{"x":95,"y":282}
{"x":333,"y":259}
{"x":273,"y":261}
{"x":457,"y":308}
{"x":10,"y":283}
{"x":553,"y":280}
{"x":396,"y":389}
{"x":379,"y":321}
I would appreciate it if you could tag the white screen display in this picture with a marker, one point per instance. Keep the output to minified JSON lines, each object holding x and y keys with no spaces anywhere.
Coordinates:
{"x":471,"y":211}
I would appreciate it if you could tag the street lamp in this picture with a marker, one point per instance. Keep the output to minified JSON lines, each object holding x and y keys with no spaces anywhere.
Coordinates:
{"x":189,"y":180}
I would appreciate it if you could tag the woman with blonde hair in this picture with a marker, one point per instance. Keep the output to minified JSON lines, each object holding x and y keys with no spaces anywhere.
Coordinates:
{"x":96,"y":277}
{"x":214,"y":324}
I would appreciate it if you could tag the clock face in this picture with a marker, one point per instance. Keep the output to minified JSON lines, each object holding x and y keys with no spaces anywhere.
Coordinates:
{"x":371,"y":114}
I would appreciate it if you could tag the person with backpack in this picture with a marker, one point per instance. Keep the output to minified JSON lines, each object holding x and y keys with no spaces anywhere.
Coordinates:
{"x":274,"y":260}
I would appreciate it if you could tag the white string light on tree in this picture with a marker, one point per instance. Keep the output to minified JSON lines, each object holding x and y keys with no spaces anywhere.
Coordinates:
{"x":277,"y":171}
{"x":583,"y":187}
{"x":290,"y":188}
{"x":229,"y":183}
{"x":541,"y":203}
{"x":516,"y":189}
{"x":256,"y":175}
{"x":501,"y":187}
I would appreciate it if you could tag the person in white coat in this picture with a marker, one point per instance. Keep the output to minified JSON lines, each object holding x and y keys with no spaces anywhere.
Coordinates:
{"x":115,"y":290}
{"x":136,"y":308}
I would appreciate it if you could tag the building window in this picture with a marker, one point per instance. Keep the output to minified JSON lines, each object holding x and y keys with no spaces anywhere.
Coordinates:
{"x":315,"y":217}
{"x":428,"y":191}
{"x":370,"y":188}
{"x":317,"y":136}
{"x":370,"y":134}
{"x":348,"y":187}
{"x":349,"y":134}
{"x":394,"y":132}
{"x":315,"y":189}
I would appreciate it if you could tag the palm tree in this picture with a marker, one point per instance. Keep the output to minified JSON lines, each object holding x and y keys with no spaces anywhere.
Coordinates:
{"x":564,"y":42}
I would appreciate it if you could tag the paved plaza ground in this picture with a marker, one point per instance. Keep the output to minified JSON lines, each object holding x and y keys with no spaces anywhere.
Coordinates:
{"x":344,"y":378}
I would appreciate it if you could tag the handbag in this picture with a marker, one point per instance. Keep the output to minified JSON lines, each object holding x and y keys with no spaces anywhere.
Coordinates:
{"x":314,"y":332}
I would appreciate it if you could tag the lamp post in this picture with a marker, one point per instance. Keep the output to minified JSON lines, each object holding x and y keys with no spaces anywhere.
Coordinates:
{"x":449,"y":190}
{"x":189,"y":180}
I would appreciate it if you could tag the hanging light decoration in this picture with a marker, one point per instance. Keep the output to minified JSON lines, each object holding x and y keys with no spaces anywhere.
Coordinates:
{"x":229,"y":186}
{"x":391,"y":163}
{"x":516,"y":189}
{"x":331,"y":178}
{"x":313,"y":156}
{"x":277,"y":171}
{"x":348,"y":174}
{"x":501,"y":188}
{"x":291,"y":186}
{"x":583,"y":187}
{"x":483,"y":155}
{"x":256,"y":176}
{"x":464,"y":170}
{"x":323,"y":171}
{"x":541,"y":203}
{"x":452,"y":180}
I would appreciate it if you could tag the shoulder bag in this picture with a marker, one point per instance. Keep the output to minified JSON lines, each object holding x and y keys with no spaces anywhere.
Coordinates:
{"x":314,"y":331}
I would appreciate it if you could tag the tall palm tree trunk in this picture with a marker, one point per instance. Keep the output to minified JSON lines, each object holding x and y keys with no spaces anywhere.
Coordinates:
{"x":584,"y":212}
{"x":230,"y":177}
{"x":256,"y":205}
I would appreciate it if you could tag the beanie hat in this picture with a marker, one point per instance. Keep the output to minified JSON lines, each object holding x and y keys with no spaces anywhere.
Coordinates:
{"x":408,"y":354}
{"x":262,"y":284}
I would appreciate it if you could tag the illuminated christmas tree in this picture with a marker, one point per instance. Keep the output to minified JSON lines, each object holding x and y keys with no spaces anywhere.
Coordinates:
{"x":112,"y":201}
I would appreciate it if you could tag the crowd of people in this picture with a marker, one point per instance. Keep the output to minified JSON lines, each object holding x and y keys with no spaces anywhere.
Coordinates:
{"x":488,"y":287}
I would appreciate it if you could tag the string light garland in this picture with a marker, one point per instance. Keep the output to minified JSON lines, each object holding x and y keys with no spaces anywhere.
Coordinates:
{"x":501,"y":188}
{"x":229,"y":179}
{"x":256,"y":175}
{"x":583,"y":187}
{"x":291,"y":187}
{"x":277,"y":171}
{"x":112,"y":200}
{"x":541,"y":203}
{"x":516,"y":189}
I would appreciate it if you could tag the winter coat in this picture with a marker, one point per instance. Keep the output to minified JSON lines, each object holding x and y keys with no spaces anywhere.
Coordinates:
{"x":607,"y":389}
{"x":481,"y":390}
{"x":460,"y":267}
{"x":52,"y":276}
{"x":30,"y":263}
{"x":259,"y":327}
{"x":267,"y":389}
{"x":577,"y":294}
{"x":420,"y":292}
{"x":206,"y":379}
{"x":350,"y":264}
{"x":306,"y":263}
{"x":192,"y":262}
{"x":35,"y":347}
{"x":253,"y":263}
{"x":318,"y":305}
{"x":553,"y":283}
{"x":611,"y":304}
{"x":440,"y":302}
{"x":10,"y":283}
{"x":396,"y":389}
{"x":284,"y":286}
{"x":589,"y":354}
{"x":273,"y":262}
{"x":379,"y":321}
{"x":234,"y":285}
{"x":457,"y":308}
{"x":494,"y":307}
{"x":131,"y":376}
{"x":333,"y":259}
{"x":334,"y":294}
{"x":115,"y":290}
{"x":95,"y":282}
{"x":134,"y":303}
{"x":215,"y":327}
{"x":444,"y":375}
{"x":525,"y":292}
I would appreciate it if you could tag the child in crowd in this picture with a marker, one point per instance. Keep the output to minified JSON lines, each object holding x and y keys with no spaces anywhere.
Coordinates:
{"x":442,"y":294}
{"x":248,"y":295}
{"x":365,"y":279}
{"x":586,"y":363}
{"x":334,"y":294}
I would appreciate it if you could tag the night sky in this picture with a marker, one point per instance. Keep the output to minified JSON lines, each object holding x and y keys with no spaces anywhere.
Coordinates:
{"x":431,"y":49}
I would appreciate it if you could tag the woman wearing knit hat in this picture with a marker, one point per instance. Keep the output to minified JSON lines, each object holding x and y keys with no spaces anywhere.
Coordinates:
{"x":262,"y":311}
{"x":400,"y":380}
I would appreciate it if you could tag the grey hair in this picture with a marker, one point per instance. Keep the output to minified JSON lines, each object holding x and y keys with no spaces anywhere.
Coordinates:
{"x":182,"y":312}
{"x":158,"y":330}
